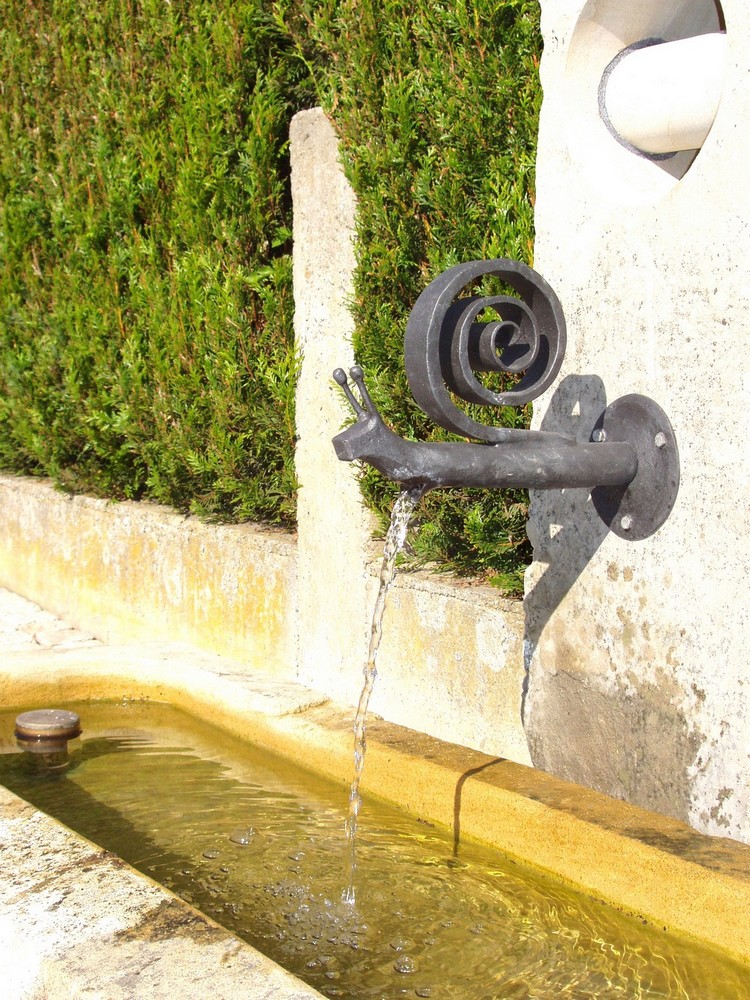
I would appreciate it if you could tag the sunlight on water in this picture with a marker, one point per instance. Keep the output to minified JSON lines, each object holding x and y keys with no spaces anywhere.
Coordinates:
{"x":259,"y":846}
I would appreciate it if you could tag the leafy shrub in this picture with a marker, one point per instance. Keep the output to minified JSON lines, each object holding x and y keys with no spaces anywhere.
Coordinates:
{"x":437,"y":108}
{"x":146,"y":344}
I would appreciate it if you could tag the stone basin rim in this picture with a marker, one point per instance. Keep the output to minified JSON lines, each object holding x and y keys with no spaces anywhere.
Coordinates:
{"x":691,"y":884}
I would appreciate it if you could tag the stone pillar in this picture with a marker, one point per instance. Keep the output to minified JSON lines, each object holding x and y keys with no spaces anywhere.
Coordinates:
{"x":334,"y":528}
{"x":637,"y":651}
{"x":450,"y":663}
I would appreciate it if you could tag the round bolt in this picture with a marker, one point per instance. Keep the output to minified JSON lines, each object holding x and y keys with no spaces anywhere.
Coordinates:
{"x":626,"y":522}
{"x":660,"y":439}
{"x":599,"y":435}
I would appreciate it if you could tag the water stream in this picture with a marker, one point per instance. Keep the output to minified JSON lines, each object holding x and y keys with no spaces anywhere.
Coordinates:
{"x":395,"y":538}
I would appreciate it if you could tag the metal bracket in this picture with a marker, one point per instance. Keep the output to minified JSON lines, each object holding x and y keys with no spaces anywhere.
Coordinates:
{"x":637,"y":510}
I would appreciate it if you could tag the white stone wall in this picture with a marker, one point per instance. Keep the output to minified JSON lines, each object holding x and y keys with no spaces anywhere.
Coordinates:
{"x":638,"y":651}
{"x":450,"y":663}
{"x":334,"y":527}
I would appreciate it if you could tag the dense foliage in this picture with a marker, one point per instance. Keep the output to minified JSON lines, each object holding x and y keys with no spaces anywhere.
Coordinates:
{"x":145,"y":280}
{"x":145,"y":273}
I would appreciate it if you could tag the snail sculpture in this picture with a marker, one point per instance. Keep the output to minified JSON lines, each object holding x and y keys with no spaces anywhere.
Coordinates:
{"x":630,"y":463}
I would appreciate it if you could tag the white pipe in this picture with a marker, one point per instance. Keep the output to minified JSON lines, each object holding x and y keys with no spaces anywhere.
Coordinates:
{"x":663,"y":97}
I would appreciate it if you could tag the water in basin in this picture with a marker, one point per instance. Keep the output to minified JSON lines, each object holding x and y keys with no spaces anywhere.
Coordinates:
{"x":260,"y":846}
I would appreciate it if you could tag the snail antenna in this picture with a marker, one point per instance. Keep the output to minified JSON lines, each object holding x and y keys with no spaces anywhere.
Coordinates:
{"x":358,"y":378}
{"x":340,"y":376}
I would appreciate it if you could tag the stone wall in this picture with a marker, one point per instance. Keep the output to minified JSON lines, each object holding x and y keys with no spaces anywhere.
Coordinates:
{"x":137,"y":571}
{"x":638,"y":679}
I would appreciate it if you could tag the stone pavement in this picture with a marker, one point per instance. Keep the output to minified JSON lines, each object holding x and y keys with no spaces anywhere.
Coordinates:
{"x":26,"y":626}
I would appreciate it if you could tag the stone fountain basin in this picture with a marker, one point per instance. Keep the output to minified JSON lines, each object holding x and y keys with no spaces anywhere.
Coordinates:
{"x":640,"y":862}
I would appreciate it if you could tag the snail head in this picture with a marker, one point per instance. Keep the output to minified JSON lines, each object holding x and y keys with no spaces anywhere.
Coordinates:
{"x":368,"y":431}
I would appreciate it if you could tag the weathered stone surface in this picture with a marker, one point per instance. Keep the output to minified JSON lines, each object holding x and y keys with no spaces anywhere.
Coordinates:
{"x":125,"y":571}
{"x":451,"y":658}
{"x":637,"y":652}
{"x":334,"y":528}
{"x":76,"y":921}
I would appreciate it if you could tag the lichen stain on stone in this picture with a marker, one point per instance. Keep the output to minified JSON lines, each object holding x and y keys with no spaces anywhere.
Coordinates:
{"x":716,"y":811}
{"x":628,"y":634}
{"x":632,"y":741}
{"x":614,"y":572}
{"x":569,"y":655}
{"x":172,"y":919}
{"x":699,"y":693}
{"x":670,"y":657}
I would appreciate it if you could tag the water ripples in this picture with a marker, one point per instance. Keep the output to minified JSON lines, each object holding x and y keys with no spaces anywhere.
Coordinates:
{"x":261,"y":848}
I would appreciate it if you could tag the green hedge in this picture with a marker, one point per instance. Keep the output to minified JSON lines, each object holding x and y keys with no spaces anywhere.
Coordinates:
{"x":436,"y":105}
{"x":145,"y":273}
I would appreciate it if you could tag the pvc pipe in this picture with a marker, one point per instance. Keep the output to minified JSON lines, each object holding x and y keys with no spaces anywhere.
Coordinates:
{"x":661,"y":97}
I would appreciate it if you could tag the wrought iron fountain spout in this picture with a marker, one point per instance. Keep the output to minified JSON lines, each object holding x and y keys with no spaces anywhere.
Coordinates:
{"x":630,"y":462}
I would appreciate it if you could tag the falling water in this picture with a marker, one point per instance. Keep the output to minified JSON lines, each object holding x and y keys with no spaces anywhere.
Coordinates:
{"x":401,"y":514}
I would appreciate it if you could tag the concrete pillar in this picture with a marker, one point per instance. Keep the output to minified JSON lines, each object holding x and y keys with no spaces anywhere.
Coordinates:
{"x":637,"y":651}
{"x":451,"y":662}
{"x":334,"y":529}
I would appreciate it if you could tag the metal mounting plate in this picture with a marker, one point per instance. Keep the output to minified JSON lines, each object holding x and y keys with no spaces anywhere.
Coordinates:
{"x":639,"y":509}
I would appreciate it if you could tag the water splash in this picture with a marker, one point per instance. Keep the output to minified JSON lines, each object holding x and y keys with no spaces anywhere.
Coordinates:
{"x":395,"y":538}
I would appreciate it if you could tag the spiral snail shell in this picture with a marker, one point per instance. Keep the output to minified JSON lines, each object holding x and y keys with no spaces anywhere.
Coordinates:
{"x":445,"y":343}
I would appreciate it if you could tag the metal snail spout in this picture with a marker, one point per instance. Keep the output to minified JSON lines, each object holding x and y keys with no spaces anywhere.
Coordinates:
{"x":630,"y":463}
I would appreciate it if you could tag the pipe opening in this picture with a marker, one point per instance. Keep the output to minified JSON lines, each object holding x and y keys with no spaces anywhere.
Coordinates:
{"x":659,"y":98}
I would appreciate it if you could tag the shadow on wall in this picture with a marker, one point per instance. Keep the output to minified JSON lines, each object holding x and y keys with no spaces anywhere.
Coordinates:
{"x":638,"y":746}
{"x":565,"y":529}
